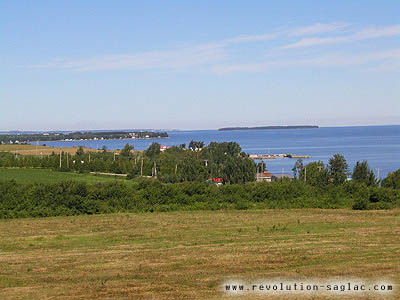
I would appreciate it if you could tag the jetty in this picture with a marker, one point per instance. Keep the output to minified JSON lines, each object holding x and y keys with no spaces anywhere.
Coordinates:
{"x":275,"y":156}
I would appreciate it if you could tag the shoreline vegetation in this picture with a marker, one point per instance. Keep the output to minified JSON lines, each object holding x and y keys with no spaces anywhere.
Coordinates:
{"x":24,"y":138}
{"x":218,"y":176}
{"x":269,"y":127}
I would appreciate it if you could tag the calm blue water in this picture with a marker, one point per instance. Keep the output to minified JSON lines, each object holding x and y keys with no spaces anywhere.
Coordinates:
{"x":380,"y":145}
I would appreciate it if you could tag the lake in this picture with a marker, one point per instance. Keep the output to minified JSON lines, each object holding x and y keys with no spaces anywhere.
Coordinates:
{"x":379,"y":145}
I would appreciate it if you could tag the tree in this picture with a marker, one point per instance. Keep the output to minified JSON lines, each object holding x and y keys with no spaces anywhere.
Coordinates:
{"x":127,"y":151}
{"x":392,"y":180}
{"x":80,"y":151}
{"x":261,"y":167}
{"x":298,"y":168}
{"x":315,"y":173}
{"x":153,"y":151}
{"x":195,"y":145}
{"x":338,"y":169}
{"x":238,"y":169}
{"x":192,"y":169}
{"x":362,"y":173}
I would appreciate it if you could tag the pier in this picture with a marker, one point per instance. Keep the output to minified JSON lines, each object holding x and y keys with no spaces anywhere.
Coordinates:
{"x":275,"y":156}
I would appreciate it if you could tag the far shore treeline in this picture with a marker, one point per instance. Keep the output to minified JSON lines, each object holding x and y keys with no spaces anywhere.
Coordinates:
{"x":23,"y":138}
{"x":178,"y":178}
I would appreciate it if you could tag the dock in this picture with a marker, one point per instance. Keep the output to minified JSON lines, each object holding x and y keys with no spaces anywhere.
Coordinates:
{"x":275,"y":156}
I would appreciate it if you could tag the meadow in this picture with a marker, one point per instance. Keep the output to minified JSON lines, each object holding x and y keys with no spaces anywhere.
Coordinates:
{"x":189,"y":255}
{"x":26,"y":176}
{"x":38,"y":150}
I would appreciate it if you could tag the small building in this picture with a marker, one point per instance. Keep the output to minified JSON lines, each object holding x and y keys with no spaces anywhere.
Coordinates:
{"x":163,"y":148}
{"x":217,"y":181}
{"x":264,"y":176}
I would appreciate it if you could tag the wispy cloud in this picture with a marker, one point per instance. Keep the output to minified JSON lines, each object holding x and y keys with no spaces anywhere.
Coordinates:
{"x":253,"y":38}
{"x":391,"y":57}
{"x":169,"y":59}
{"x":319,"y":28}
{"x":180,"y":57}
{"x":365,"y":34}
{"x":216,"y":55}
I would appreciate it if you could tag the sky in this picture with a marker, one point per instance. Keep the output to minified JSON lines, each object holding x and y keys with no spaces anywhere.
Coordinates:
{"x":72,"y":65}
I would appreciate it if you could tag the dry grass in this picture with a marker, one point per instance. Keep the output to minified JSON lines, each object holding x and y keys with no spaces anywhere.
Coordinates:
{"x":40,"y":150}
{"x":188,"y":255}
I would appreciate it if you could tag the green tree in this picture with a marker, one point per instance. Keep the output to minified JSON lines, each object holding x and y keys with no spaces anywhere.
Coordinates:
{"x":153,"y":151}
{"x":261,"y":167}
{"x":239,"y":169}
{"x":338,"y":169}
{"x":192,"y":169}
{"x":392,"y":180}
{"x":194,"y":145}
{"x":315,"y":173}
{"x":127,"y":151}
{"x":80,"y":151}
{"x":298,"y":168}
{"x":362,"y":173}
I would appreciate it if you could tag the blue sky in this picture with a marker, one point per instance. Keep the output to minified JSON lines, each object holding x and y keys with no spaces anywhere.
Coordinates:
{"x":198,"y":65}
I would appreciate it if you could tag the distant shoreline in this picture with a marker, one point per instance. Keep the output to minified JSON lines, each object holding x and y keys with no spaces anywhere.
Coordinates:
{"x":269,"y":127}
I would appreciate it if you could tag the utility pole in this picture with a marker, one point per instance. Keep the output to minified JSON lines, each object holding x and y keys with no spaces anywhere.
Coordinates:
{"x":305,"y":174}
{"x":89,"y":157}
{"x":379,"y":173}
{"x":176,"y":168}
{"x":141,"y":168}
{"x":60,"y":158}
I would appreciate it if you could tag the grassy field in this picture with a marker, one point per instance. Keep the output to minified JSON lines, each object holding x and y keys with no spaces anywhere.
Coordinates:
{"x":40,"y":150}
{"x":48,"y":176}
{"x":189,"y":255}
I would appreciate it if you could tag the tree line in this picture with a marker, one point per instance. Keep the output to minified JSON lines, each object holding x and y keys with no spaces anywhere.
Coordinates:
{"x":175,"y":164}
{"x":22,"y":138}
{"x":197,"y":162}
{"x":179,"y":183}
{"x":150,"y":195}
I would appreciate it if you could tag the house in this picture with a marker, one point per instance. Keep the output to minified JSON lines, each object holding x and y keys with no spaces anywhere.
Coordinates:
{"x":264,"y":176}
{"x":163,"y":148}
{"x":217,"y":181}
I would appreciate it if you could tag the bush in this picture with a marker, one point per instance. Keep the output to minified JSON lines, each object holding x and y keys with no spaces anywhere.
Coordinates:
{"x":360,"y":204}
{"x":147,"y":195}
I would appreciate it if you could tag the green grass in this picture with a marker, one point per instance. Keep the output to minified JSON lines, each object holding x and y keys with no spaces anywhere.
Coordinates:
{"x":189,"y":255}
{"x":49,"y":176}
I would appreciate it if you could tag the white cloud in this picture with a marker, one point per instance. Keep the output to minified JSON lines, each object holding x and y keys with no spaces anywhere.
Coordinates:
{"x":212,"y":55}
{"x":170,"y":59}
{"x":319,"y":28}
{"x":357,"y":36}
{"x":253,"y":38}
{"x":389,"y":57}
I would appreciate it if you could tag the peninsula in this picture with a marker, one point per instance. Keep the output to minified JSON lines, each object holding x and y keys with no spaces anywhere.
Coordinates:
{"x":24,"y":138}
{"x":269,"y":127}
